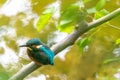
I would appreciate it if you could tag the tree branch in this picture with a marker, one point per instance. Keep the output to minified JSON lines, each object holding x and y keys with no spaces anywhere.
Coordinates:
{"x":68,"y":41}
{"x":104,"y":19}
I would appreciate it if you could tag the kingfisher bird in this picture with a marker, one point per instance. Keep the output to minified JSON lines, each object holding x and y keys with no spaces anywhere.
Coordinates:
{"x":38,"y":52}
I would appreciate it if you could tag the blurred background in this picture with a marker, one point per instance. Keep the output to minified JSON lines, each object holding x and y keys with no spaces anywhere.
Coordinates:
{"x":100,"y":59}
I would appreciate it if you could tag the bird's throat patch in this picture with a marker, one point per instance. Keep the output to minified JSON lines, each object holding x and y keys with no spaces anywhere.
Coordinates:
{"x":39,"y":46}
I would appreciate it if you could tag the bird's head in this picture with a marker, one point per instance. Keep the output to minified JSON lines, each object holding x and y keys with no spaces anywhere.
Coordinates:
{"x":32,"y":44}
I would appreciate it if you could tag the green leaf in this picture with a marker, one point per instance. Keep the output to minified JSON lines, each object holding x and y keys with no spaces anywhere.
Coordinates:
{"x":65,"y":28}
{"x":83,"y":43}
{"x":3,"y":76}
{"x":44,"y":18}
{"x":69,"y":18}
{"x":100,"y":4}
{"x":118,"y":41}
{"x":101,"y":13}
{"x":111,"y":60}
{"x":91,"y":10}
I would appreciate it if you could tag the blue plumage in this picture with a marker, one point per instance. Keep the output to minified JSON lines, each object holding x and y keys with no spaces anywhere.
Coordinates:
{"x":49,"y":53}
{"x":39,"y":52}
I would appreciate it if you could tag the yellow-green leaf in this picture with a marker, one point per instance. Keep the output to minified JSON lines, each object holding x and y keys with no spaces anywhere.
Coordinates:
{"x":101,"y":13}
{"x":118,"y":41}
{"x":44,"y":18}
{"x":70,"y":17}
{"x":100,"y":4}
{"x":83,"y":42}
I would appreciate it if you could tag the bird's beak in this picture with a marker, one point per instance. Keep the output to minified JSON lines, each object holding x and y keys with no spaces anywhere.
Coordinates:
{"x":23,"y":46}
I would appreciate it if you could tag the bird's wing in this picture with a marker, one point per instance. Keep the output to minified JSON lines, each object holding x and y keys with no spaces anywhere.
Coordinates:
{"x":48,"y":52}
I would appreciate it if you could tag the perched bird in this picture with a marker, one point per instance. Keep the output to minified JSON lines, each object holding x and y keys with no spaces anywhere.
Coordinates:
{"x":39,"y":52}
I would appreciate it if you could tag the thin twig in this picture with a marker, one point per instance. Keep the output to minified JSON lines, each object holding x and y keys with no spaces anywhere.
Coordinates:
{"x":113,"y":26}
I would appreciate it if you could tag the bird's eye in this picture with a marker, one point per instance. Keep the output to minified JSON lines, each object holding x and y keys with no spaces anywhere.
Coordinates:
{"x":33,"y":45}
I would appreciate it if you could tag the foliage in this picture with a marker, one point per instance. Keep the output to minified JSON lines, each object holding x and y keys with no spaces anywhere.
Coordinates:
{"x":100,"y":46}
{"x":82,"y":43}
{"x":3,"y":76}
{"x":44,"y":18}
{"x":99,"y":5}
{"x":111,"y":60}
{"x":116,"y":51}
{"x":69,"y":17}
{"x":118,"y":41}
{"x":72,"y":15}
{"x":101,"y":13}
